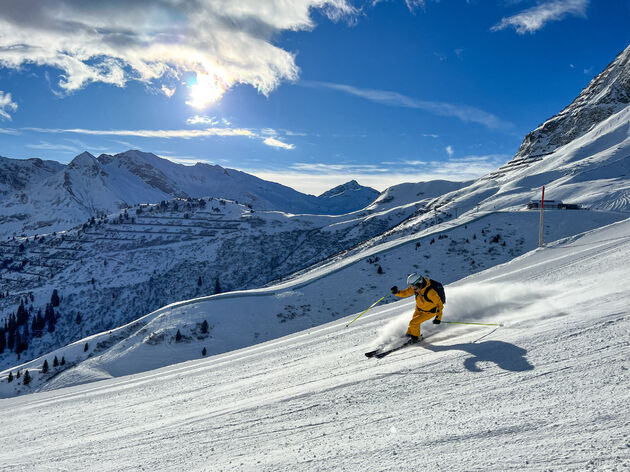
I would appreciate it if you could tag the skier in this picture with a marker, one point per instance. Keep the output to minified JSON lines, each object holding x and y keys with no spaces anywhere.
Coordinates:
{"x":429,"y":303}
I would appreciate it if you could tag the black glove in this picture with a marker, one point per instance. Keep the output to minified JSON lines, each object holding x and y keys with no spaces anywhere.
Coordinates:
{"x":394,"y":290}
{"x":436,"y":321}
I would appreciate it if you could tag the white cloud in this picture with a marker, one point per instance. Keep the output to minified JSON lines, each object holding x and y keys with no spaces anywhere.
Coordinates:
{"x":13,"y":132}
{"x":222,"y":42}
{"x":202,"y":120}
{"x":169,"y":92}
{"x":449,"y":150}
{"x":7,"y":105}
{"x":150,"y":133}
{"x":273,"y":142}
{"x":462,"y":112}
{"x":414,"y":5}
{"x":53,"y":147}
{"x":536,"y":17}
{"x":293,"y":133}
{"x":316,"y":178}
{"x":265,"y":135}
{"x":338,"y":168}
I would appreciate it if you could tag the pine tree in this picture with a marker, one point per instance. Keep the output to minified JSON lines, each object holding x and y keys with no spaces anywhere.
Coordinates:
{"x":22,"y":315}
{"x":217,"y":286}
{"x":204,"y":352}
{"x":11,"y":338}
{"x":78,"y":319}
{"x":10,"y":378}
{"x":204,"y":327}
{"x":45,"y":367}
{"x":199,"y":282}
{"x":50,"y":317}
{"x":63,"y":360}
{"x":85,"y":348}
{"x":379,"y":270}
{"x":17,"y":343}
{"x":178,"y":336}
{"x":27,"y":378}
{"x":55,"y":362}
{"x":54,"y":299}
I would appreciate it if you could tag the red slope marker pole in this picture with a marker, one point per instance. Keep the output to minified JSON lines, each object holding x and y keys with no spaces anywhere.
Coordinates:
{"x":542,"y":209}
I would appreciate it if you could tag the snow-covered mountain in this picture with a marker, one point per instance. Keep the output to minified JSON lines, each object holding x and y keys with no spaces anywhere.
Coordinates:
{"x":94,"y":187}
{"x":18,"y":174}
{"x":606,"y":94}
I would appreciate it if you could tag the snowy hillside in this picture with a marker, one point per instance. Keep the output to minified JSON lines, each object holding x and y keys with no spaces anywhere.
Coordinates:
{"x":113,"y":270}
{"x":546,"y":391}
{"x":95,"y":187}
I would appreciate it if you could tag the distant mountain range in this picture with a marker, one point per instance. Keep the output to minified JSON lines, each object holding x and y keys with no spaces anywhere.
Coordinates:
{"x":44,"y":196}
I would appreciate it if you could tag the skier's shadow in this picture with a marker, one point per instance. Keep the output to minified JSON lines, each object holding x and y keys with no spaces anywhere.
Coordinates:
{"x":507,"y":356}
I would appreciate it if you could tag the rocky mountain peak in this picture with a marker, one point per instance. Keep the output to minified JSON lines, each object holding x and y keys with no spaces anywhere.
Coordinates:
{"x":350,"y":186}
{"x":85,"y":163}
{"x":85,"y":159}
{"x":606,"y":94}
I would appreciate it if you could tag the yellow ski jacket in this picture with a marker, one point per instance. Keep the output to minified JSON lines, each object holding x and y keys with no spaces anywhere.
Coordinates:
{"x":427,"y":301}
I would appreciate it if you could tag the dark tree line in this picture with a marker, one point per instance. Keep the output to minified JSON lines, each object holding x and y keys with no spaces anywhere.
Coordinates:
{"x":22,"y":326}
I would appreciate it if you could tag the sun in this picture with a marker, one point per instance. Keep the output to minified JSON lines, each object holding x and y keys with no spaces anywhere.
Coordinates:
{"x":206,"y":90}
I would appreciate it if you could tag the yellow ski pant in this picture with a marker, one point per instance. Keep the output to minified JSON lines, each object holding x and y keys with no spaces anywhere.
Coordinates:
{"x":418,"y":318}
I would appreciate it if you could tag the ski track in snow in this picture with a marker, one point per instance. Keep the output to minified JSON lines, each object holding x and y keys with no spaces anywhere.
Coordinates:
{"x":548,"y":391}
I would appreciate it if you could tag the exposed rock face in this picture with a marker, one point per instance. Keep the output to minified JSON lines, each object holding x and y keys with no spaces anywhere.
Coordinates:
{"x":16,"y":175}
{"x":607,"y":93}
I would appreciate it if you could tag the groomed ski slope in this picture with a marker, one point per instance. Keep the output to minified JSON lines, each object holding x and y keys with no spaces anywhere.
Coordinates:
{"x":547,"y":391}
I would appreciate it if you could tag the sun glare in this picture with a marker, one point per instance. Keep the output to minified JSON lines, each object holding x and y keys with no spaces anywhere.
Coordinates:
{"x":206,"y":90}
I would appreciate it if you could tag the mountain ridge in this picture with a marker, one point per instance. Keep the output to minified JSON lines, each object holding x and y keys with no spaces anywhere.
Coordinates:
{"x":97,"y":186}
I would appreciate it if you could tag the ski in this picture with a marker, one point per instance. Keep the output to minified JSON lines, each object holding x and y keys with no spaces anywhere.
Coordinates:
{"x":379,"y":354}
{"x":372,"y":353}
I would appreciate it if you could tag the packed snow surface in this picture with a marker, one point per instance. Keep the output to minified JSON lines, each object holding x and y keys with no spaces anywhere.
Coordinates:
{"x":548,"y":390}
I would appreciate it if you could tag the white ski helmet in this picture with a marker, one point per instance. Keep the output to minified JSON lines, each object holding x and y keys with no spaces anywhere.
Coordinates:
{"x":415,"y":279}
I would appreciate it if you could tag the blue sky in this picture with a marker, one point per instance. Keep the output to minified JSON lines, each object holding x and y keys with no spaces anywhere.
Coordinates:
{"x":310,"y":95}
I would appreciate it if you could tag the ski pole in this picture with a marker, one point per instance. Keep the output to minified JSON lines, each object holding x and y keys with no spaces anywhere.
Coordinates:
{"x":479,"y":324}
{"x":369,"y":308}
